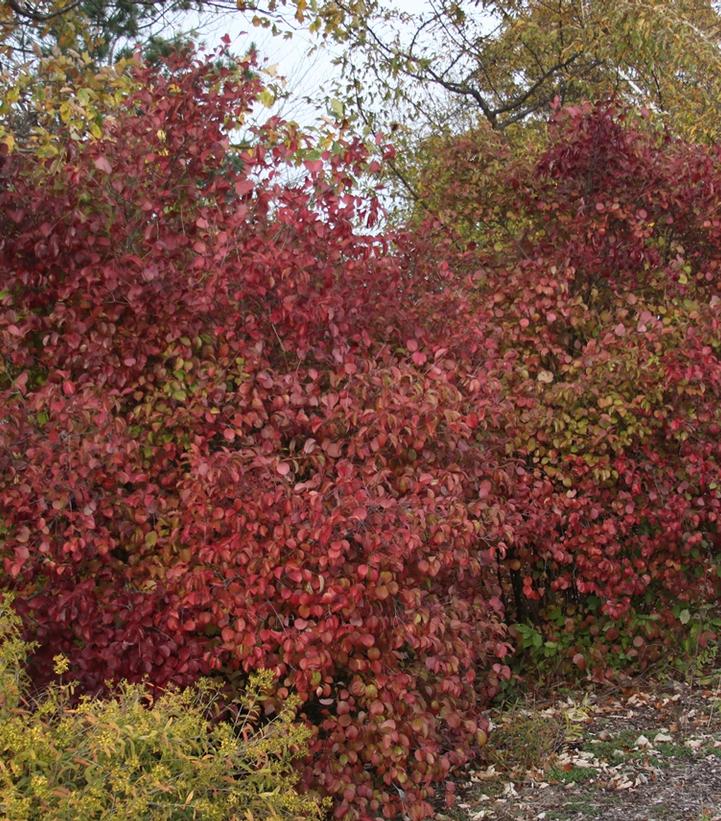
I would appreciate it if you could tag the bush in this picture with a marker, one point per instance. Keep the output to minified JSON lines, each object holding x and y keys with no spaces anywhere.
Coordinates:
{"x":600,"y":304}
{"x":134,"y":756}
{"x":237,"y":436}
{"x":226,"y":446}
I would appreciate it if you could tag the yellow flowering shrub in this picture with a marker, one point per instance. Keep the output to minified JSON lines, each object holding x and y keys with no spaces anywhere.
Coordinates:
{"x":130,"y":756}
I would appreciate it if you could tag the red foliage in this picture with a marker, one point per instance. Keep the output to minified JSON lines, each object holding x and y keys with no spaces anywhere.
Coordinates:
{"x":628,"y":326}
{"x":237,"y":432}
{"x":601,"y":315}
{"x":221,"y":449}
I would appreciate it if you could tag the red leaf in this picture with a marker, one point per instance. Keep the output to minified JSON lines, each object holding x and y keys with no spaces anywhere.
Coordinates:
{"x":102,"y":164}
{"x":314,"y":166}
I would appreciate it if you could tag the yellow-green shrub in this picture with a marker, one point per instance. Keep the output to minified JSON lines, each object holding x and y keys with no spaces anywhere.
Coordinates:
{"x":130,"y":757}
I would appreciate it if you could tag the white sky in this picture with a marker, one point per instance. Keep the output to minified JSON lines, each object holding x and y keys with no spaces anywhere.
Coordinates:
{"x":309,"y":76}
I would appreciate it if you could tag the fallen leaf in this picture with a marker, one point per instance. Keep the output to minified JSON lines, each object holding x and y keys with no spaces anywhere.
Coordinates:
{"x":662,"y":737}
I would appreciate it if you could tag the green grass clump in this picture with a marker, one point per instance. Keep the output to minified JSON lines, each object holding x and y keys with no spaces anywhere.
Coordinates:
{"x":524,"y":740}
{"x":130,"y":757}
{"x":576,"y":775}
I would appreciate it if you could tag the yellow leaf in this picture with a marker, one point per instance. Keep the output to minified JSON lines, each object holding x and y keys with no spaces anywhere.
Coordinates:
{"x":47,"y":150}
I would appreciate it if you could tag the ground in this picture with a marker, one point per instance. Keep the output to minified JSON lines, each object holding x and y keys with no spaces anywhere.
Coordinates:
{"x":650,"y":754}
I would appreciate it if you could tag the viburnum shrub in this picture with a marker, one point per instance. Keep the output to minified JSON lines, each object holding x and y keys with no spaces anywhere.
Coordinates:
{"x":243,"y":428}
{"x":601,"y":302}
{"x":231,"y":437}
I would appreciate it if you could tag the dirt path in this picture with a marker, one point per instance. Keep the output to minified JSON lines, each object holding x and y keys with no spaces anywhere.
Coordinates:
{"x":635,"y":756}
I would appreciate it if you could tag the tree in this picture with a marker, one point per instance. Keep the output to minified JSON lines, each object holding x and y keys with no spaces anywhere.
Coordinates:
{"x":473,"y":68}
{"x":506,"y":62}
{"x":83,"y":25}
{"x":105,"y":28}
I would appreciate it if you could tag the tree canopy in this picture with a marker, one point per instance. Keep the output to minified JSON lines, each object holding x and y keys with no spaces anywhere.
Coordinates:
{"x":457,"y":69}
{"x":507,"y":62}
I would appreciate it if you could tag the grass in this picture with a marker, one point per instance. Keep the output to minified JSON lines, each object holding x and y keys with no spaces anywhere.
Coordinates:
{"x":620,"y":745}
{"x":575,"y":775}
{"x":623,"y":746}
{"x":524,"y":740}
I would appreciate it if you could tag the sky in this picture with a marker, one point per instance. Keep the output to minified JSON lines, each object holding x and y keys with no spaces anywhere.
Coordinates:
{"x":307,"y":75}
{"x":305,"y":61}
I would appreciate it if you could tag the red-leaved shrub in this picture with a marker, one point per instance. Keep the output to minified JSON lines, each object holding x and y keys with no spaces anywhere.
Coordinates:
{"x":223,"y":449}
{"x":238,"y":431}
{"x":601,"y":307}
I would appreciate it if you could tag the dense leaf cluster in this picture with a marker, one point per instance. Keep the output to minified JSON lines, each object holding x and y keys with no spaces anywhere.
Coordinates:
{"x":240,"y":432}
{"x":223,"y":450}
{"x":596,"y":281}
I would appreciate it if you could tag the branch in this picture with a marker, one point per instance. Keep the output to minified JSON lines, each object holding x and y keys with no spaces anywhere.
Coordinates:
{"x":30,"y":13}
{"x":531,"y":90}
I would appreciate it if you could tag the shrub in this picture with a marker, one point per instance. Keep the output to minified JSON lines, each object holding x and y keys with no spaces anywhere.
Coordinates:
{"x":134,"y":756}
{"x":228,"y":445}
{"x":236,"y":434}
{"x":600,"y":305}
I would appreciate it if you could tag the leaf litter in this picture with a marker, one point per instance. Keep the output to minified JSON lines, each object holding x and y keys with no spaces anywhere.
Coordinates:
{"x":620,"y":756}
